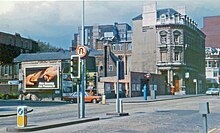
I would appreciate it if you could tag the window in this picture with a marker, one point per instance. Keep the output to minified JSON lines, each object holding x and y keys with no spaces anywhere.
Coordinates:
{"x":216,"y":64}
{"x":10,"y":70}
{"x":6,"y":70}
{"x":176,"y":39}
{"x":113,"y":47}
{"x":176,"y":56}
{"x":163,"y":39}
{"x":215,"y":74}
{"x":209,"y":64}
{"x":163,"y":36}
{"x":138,"y":87}
{"x":176,"y":35}
{"x":162,"y":19}
{"x":110,"y":68}
{"x":133,"y":87}
{"x":2,"y":70}
{"x":119,"y":47}
{"x":16,"y":69}
{"x":163,"y":57}
{"x":176,"y":18}
{"x":129,"y":46}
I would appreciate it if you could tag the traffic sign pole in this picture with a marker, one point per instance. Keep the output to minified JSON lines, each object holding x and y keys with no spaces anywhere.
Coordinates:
{"x":117,"y":92}
{"x":82,"y":92}
{"x":82,"y":81}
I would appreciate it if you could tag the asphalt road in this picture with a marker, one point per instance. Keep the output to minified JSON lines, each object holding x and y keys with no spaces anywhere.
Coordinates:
{"x":173,"y":116}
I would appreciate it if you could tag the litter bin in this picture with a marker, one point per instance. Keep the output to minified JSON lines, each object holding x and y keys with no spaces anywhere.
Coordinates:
{"x":21,"y":116}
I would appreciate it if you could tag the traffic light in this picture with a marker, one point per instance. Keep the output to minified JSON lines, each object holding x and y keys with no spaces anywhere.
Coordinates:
{"x":147,"y":76}
{"x":120,"y":70}
{"x":75,"y":66}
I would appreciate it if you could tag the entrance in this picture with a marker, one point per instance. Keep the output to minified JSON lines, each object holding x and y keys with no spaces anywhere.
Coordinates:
{"x":176,"y":83}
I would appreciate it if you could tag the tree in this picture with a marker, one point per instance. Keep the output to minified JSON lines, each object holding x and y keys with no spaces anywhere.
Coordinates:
{"x":46,"y":47}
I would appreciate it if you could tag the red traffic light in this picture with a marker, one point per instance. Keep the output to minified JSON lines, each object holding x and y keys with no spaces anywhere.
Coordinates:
{"x":148,"y":76}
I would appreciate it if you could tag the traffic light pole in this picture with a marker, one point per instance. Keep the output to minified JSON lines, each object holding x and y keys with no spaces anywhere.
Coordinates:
{"x":78,"y":98}
{"x":82,"y":68}
{"x":82,"y":92}
{"x":117,"y":92}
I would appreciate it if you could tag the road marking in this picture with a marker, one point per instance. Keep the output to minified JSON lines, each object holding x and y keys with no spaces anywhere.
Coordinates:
{"x":214,"y":129}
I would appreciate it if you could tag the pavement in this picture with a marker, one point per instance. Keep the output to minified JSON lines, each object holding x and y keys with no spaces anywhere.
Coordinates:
{"x":10,"y":111}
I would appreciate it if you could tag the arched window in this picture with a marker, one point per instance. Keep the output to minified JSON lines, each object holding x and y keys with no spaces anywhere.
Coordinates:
{"x":163,"y":36}
{"x":176,"y":35}
{"x":163,"y":19}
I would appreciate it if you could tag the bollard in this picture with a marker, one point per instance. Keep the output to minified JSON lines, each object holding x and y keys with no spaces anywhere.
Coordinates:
{"x":21,"y":116}
{"x":103,"y":99}
{"x":121,"y":105}
{"x":204,"y":110}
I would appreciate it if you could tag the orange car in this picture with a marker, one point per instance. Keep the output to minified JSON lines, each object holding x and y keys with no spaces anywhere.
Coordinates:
{"x":88,"y":98}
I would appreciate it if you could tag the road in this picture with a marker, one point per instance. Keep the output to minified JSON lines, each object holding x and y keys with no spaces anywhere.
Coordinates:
{"x":173,"y":116}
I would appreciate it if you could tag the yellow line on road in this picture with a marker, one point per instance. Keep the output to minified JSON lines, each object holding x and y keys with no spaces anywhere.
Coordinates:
{"x":214,"y":129}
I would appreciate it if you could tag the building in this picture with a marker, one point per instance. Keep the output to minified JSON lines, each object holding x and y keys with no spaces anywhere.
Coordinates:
{"x":10,"y":47}
{"x":121,"y":31}
{"x":168,"y":42}
{"x":212,"y":62}
{"x":212,"y":30}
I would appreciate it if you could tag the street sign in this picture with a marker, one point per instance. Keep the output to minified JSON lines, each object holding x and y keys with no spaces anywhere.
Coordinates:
{"x":21,"y":116}
{"x":81,"y":51}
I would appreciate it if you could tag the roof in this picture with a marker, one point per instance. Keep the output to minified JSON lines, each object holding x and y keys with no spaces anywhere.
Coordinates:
{"x":168,"y":11}
{"x":61,"y":55}
{"x":139,"y":17}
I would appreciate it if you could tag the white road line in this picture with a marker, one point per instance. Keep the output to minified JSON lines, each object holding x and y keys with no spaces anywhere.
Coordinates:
{"x":214,"y":129}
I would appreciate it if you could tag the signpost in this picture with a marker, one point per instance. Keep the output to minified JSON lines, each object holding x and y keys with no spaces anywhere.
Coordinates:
{"x":81,"y":51}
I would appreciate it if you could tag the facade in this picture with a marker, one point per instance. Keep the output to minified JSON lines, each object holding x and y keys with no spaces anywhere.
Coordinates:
{"x":113,"y":51}
{"x":121,"y":31}
{"x":212,"y":67}
{"x":168,"y":42}
{"x":10,"y":47}
{"x":212,"y":30}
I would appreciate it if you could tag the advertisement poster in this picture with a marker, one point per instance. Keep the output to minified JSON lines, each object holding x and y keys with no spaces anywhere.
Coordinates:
{"x":67,"y":85}
{"x":42,"y":77}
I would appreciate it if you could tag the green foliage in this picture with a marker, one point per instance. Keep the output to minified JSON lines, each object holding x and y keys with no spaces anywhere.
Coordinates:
{"x":8,"y":53}
{"x":46,"y":47}
{"x":9,"y":96}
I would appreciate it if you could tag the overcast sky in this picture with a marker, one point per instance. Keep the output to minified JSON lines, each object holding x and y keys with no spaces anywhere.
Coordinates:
{"x":56,"y":21}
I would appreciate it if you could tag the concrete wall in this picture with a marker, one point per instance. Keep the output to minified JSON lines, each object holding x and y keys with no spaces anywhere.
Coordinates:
{"x":143,"y":57}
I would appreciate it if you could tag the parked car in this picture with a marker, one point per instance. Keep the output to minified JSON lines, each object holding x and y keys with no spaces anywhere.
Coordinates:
{"x":88,"y":98}
{"x":212,"y":91}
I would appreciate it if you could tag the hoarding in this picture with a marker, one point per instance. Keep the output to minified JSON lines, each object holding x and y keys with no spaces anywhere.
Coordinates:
{"x":67,"y":85}
{"x":41,"y":77}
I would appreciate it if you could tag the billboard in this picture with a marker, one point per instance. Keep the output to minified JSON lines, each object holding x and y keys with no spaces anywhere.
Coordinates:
{"x":41,"y":77}
{"x":67,"y":84}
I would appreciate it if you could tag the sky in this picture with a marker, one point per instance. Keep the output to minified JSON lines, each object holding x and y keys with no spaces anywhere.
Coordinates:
{"x":55,"y":22}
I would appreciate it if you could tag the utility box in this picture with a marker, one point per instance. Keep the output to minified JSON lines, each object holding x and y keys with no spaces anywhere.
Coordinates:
{"x":21,"y":116}
{"x":204,"y":108}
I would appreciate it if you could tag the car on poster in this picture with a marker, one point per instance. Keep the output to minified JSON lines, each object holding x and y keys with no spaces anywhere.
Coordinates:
{"x":41,"y":77}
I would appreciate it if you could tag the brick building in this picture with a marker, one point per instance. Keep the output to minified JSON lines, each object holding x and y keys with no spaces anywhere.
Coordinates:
{"x":212,"y":30}
{"x":10,"y":47}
